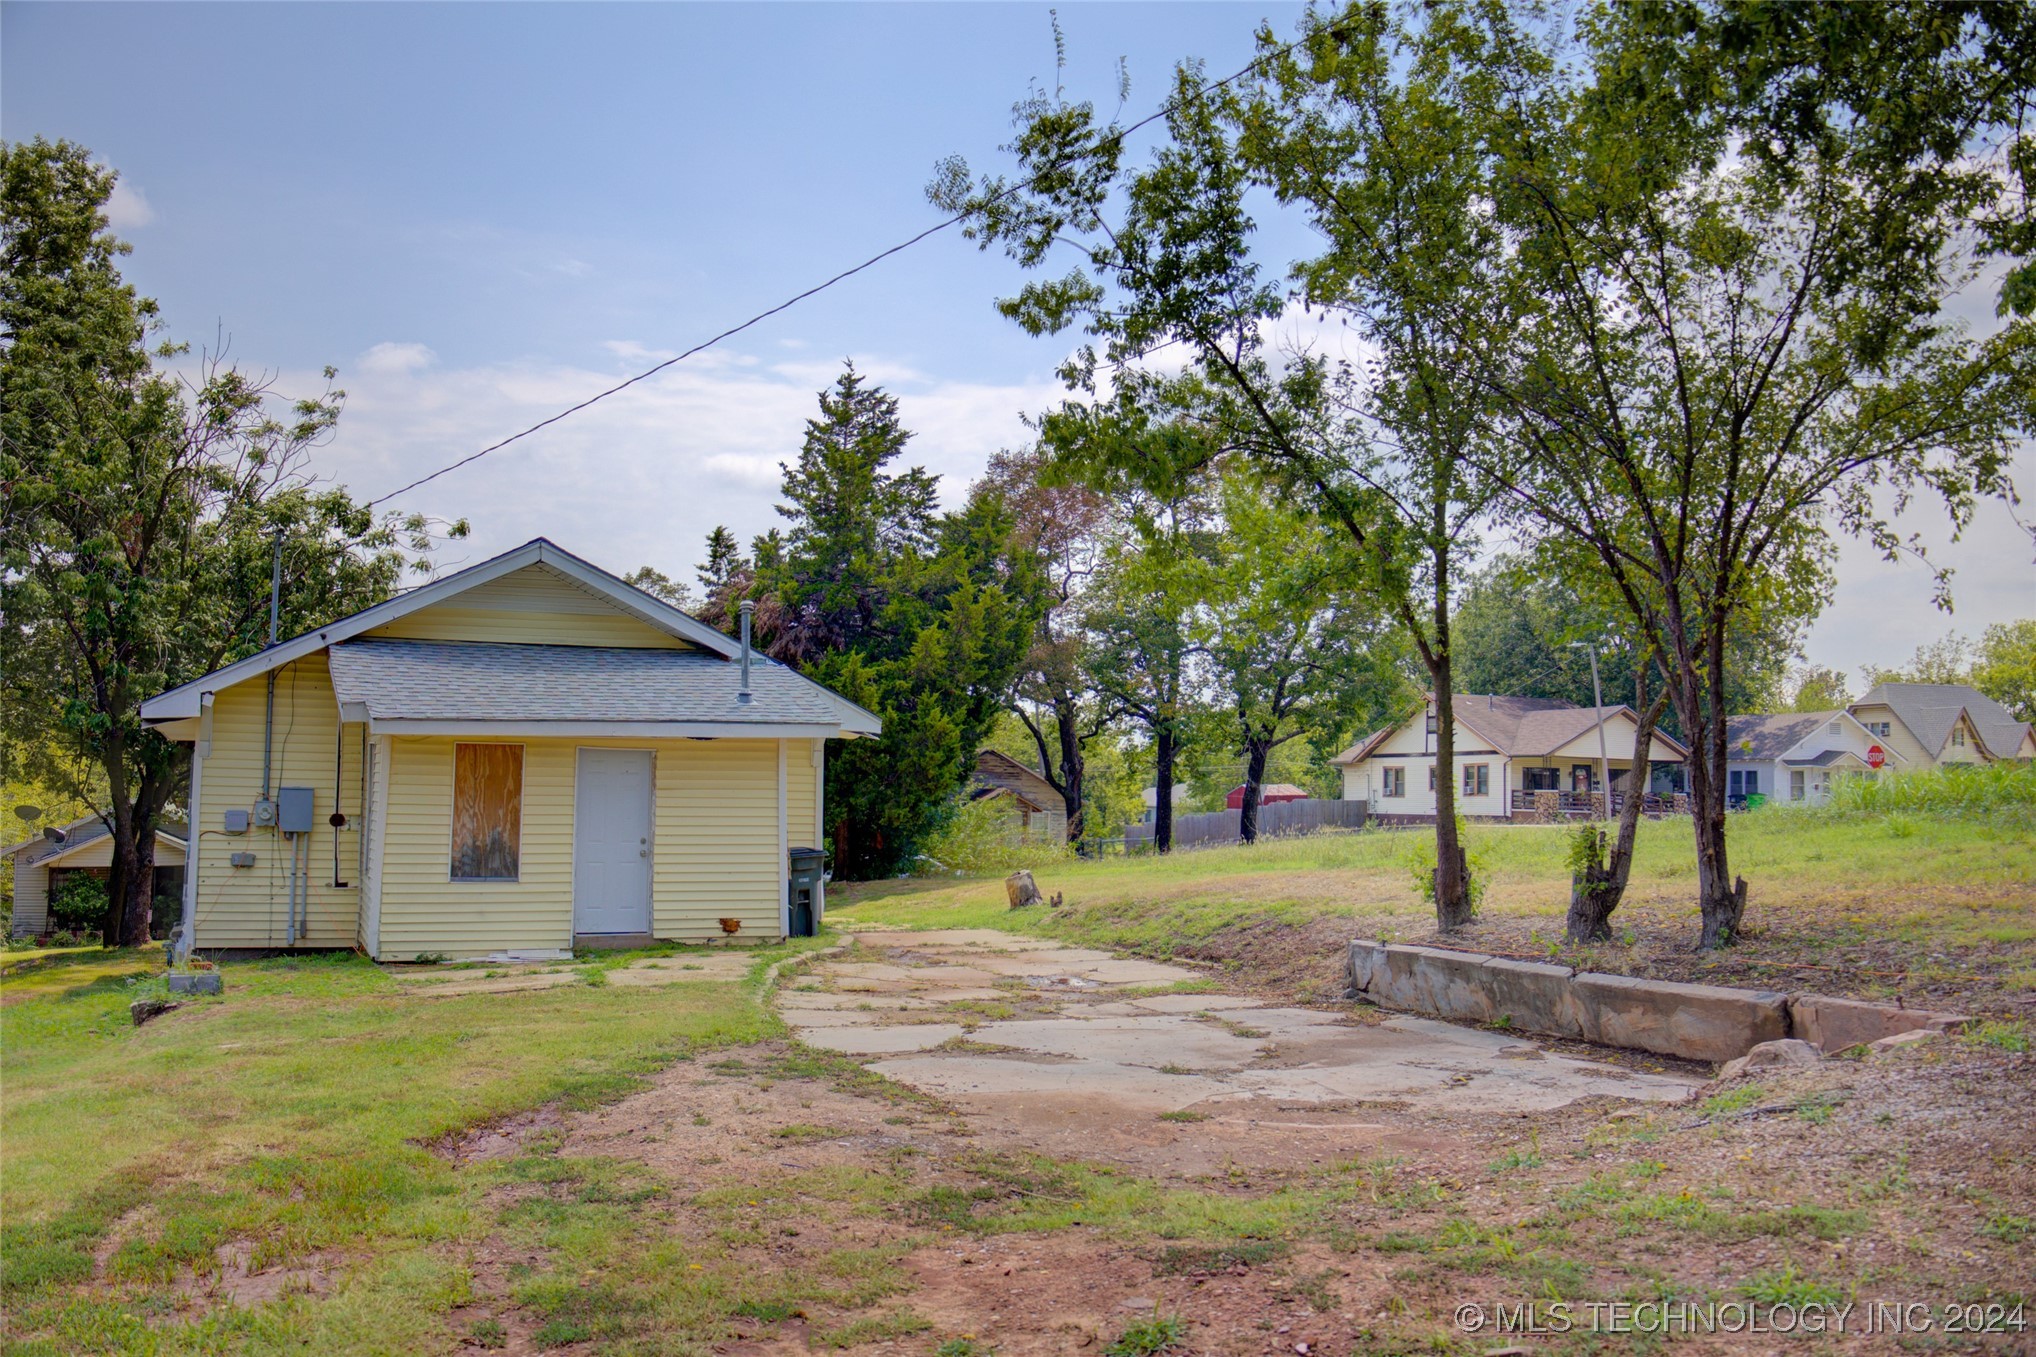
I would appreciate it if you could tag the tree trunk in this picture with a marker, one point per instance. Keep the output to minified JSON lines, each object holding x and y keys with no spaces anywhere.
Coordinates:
{"x":1073,"y":764}
{"x":1452,"y":873}
{"x":1256,"y":751}
{"x":138,"y":859}
{"x":1597,"y":890}
{"x":1721,"y":899}
{"x":1163,"y":788}
{"x":114,"y":923}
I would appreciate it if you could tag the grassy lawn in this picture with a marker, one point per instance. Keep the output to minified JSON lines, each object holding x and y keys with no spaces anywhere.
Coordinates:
{"x":1927,"y":906}
{"x":291,"y":1117}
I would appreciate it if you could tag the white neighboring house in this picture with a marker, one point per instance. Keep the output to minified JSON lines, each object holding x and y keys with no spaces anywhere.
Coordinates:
{"x":1797,"y":757}
{"x":1507,"y":748}
{"x":87,"y":847}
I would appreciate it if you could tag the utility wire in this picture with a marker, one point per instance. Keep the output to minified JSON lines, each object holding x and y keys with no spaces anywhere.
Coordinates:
{"x":1119,"y":135}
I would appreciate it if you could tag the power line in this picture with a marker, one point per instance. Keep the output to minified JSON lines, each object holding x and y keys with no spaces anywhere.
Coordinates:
{"x":818,"y":288}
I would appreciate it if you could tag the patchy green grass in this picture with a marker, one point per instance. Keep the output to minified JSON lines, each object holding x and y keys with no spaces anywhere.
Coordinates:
{"x":293,"y":1114}
{"x":1944,"y":912}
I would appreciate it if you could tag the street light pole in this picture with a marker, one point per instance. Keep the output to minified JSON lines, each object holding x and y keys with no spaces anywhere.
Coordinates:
{"x":1598,"y":696}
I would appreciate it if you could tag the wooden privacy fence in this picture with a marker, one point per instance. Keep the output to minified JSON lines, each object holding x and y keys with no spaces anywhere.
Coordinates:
{"x":1278,"y":820}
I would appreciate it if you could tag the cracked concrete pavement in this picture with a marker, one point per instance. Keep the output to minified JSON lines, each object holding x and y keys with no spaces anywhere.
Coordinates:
{"x":1077,"y":1049}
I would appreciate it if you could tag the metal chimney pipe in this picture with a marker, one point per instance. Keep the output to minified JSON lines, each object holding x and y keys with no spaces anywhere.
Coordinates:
{"x":748,"y":609}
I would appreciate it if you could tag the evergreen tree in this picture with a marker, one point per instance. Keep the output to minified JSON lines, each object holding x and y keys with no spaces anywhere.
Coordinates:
{"x":923,"y":618}
{"x":724,"y":562}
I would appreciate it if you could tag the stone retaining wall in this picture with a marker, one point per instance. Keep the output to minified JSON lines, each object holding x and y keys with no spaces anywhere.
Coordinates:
{"x":1695,"y":1022}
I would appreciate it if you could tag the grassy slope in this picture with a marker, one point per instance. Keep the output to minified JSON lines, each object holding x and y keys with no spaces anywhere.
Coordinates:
{"x":293,"y":1113}
{"x":1947,"y":906}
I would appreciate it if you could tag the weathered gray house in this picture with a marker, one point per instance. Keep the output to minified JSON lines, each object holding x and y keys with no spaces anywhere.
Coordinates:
{"x":1036,"y":811}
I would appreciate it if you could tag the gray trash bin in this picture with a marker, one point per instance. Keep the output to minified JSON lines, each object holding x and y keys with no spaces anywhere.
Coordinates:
{"x":804,"y":868}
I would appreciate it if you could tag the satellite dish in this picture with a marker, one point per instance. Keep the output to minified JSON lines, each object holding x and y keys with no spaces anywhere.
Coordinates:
{"x":28,"y":813}
{"x":55,"y":835}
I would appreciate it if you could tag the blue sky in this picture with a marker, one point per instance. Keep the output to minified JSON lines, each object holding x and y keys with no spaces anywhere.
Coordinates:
{"x":482,"y":213}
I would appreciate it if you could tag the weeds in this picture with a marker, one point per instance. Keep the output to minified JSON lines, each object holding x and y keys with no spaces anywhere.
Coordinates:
{"x":1149,"y":1337}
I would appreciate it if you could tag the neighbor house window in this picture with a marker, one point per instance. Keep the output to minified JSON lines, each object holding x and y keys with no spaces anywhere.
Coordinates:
{"x":1743,"y":783}
{"x":487,"y":812}
{"x":1477,"y":779}
{"x":1797,"y":780}
{"x":1395,"y":781}
{"x":1958,"y":737}
{"x":1431,"y":720}
{"x":1431,"y":777}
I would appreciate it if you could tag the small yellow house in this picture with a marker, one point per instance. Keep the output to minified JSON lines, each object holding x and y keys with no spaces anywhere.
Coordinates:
{"x":513,"y":760}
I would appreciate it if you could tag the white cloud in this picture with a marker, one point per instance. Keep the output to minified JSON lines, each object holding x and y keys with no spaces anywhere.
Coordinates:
{"x":630,"y":349}
{"x":640,"y":478}
{"x":389,"y":358}
{"x":128,"y":208}
{"x":573,"y":268}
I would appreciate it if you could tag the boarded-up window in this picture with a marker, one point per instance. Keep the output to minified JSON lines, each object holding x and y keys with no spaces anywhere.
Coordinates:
{"x":487,"y":811}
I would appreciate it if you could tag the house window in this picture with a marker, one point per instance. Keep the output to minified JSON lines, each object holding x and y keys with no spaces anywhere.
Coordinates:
{"x":1431,"y":720}
{"x":1395,"y":781}
{"x":1797,"y":780}
{"x":1833,"y":727}
{"x":1431,"y":777}
{"x":1743,"y":782}
{"x":1958,"y":737}
{"x":1879,"y":728}
{"x":1477,"y":779}
{"x":487,"y":812}
{"x":1540,"y":779}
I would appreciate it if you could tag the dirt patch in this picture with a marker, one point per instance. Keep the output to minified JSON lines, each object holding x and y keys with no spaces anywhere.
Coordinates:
{"x":498,"y":1139}
{"x":241,"y":1277}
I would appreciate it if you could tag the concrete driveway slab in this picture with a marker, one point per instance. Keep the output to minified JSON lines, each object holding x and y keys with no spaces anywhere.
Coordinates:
{"x":1098,"y":1076}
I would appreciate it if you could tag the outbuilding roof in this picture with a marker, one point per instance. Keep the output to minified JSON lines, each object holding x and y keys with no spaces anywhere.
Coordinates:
{"x":410,"y":684}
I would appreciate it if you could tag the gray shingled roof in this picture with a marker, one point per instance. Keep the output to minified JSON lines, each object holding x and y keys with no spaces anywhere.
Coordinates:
{"x":1770,"y":737}
{"x":1930,"y":709}
{"x":79,"y":832}
{"x":486,"y":681}
{"x":1825,"y":759}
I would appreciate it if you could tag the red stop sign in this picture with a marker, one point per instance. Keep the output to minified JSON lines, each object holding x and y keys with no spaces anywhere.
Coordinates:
{"x":1875,"y":756}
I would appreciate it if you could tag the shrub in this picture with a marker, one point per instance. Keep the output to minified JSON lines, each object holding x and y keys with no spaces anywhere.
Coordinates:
{"x":977,"y":841}
{"x":78,"y":902}
{"x":1421,"y":863}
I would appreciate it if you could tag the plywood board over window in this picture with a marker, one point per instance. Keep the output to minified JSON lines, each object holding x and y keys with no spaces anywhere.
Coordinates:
{"x":487,"y":812}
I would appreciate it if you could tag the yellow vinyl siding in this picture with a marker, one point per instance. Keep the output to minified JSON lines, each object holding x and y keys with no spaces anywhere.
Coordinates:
{"x":249,"y":906}
{"x":714,"y":855}
{"x":801,"y":778}
{"x":448,"y":623}
{"x":532,"y":606}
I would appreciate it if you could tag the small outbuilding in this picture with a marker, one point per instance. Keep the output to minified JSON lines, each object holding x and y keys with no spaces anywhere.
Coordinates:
{"x":524,"y":757}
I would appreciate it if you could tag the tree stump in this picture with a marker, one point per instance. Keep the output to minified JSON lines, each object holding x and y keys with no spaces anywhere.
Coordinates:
{"x":1021,"y":890}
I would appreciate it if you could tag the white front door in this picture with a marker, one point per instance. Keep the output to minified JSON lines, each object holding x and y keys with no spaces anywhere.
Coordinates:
{"x":611,"y":842}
